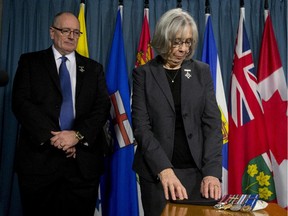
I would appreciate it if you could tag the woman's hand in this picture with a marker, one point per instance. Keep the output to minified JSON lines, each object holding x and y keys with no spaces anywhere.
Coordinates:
{"x":171,"y":184}
{"x":211,"y":187}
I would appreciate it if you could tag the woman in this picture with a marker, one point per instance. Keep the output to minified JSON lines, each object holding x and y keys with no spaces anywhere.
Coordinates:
{"x":176,"y":120}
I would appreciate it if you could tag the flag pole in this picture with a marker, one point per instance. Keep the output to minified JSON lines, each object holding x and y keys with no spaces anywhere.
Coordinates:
{"x":179,"y":3}
{"x":146,"y":9}
{"x":266,"y":10}
{"x":207,"y":10}
{"x":242,"y":9}
{"x":266,"y":7}
{"x":120,"y":7}
{"x":146,"y":3}
{"x":207,"y":7}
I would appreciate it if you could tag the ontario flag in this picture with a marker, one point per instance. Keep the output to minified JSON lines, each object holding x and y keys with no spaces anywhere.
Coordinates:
{"x":273,"y":91}
{"x":210,"y":56}
{"x":144,"y":52}
{"x":118,"y":184}
{"x":248,"y":154}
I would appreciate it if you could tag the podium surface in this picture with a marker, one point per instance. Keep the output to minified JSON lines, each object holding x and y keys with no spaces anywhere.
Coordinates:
{"x":172,"y":209}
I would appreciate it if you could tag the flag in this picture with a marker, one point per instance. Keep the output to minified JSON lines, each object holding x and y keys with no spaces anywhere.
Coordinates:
{"x":273,"y":91}
{"x":248,"y":154}
{"x":82,"y":47}
{"x":210,"y":56}
{"x":144,"y":52}
{"x":118,"y":184}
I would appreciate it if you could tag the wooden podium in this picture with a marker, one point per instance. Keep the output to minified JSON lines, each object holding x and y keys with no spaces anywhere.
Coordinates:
{"x":172,"y":209}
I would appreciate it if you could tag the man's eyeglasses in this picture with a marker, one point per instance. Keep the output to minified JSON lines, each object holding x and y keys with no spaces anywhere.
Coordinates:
{"x":179,"y":43}
{"x":66,"y":32}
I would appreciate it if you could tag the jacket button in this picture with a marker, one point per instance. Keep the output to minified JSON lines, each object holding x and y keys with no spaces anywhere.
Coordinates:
{"x":185,"y":115}
{"x":189,"y":136}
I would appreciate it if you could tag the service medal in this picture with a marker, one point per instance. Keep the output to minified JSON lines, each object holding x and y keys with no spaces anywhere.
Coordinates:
{"x":246,"y":208}
{"x":236,"y":207}
{"x":227,"y":206}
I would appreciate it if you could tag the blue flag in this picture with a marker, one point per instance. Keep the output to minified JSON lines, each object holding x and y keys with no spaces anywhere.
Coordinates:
{"x":118,"y":184}
{"x":210,"y":56}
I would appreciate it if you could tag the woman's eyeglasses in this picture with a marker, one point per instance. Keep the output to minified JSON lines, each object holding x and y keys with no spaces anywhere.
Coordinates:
{"x":179,"y":43}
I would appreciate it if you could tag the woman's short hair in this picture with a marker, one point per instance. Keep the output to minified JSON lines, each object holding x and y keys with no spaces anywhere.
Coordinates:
{"x":169,"y":24}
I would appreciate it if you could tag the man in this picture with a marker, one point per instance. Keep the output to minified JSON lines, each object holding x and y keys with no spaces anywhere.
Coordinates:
{"x":59,"y":159}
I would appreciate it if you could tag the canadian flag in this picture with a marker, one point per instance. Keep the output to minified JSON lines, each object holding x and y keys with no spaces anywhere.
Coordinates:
{"x":273,"y":91}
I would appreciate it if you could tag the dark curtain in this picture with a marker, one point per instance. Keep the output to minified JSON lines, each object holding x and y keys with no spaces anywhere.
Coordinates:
{"x":25,"y":28}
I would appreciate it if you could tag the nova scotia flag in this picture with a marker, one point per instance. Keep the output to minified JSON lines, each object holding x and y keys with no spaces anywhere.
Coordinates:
{"x":210,"y":56}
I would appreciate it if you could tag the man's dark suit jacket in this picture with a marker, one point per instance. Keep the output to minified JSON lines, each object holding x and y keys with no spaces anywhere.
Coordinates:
{"x":154,"y":118}
{"x":36,"y":103}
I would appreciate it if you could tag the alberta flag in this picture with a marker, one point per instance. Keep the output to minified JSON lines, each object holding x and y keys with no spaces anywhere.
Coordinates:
{"x":118,"y":185}
{"x":210,"y":56}
{"x":248,"y":154}
{"x":273,"y":91}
